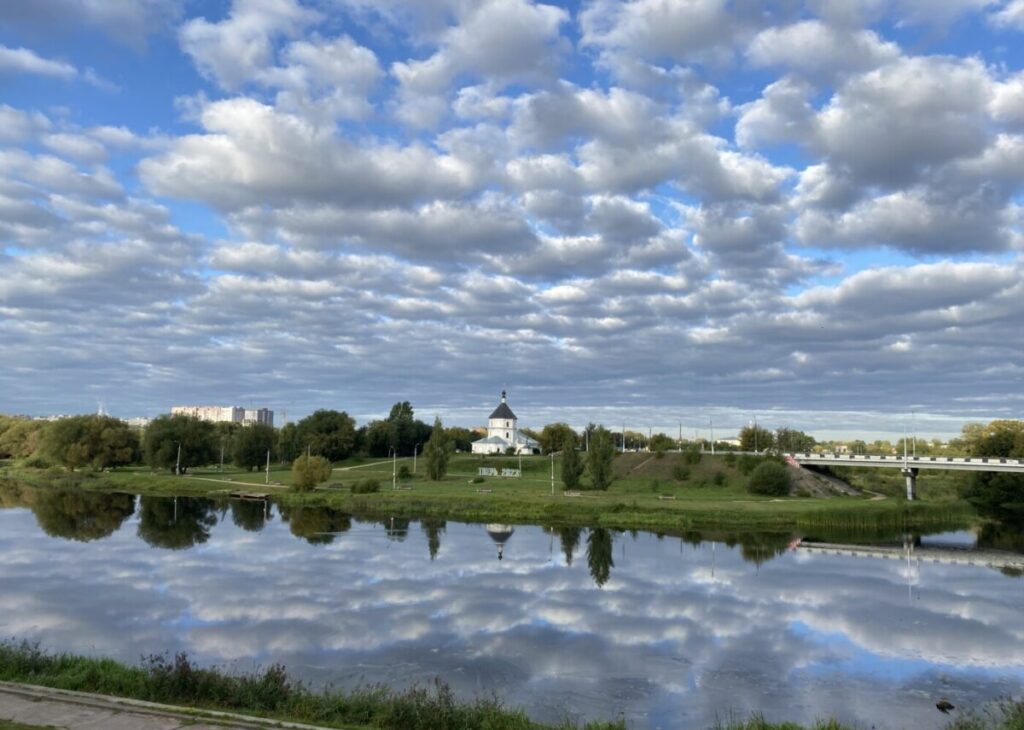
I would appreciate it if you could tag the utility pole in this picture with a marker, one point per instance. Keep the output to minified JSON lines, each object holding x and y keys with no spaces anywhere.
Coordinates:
{"x":552,"y":473}
{"x":913,"y":430}
{"x":394,"y":468}
{"x":648,"y":438}
{"x":711,"y":425}
{"x":177,"y":464}
{"x":221,"y":453}
{"x":414,"y":450}
{"x":623,"y":438}
{"x":268,"y":466}
{"x":755,"y":434}
{"x":679,"y":443}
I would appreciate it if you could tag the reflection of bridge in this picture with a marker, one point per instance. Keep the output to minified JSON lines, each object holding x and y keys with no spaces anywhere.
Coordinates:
{"x":911,"y":551}
{"x":910,"y":465}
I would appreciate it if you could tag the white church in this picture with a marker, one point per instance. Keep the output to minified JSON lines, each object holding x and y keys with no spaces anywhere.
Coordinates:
{"x":503,"y":434}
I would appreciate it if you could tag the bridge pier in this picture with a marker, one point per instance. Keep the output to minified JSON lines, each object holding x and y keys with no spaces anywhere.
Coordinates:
{"x":911,"y":475}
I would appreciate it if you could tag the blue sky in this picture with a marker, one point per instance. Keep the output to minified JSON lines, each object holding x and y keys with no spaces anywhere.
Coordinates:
{"x":653,"y":211}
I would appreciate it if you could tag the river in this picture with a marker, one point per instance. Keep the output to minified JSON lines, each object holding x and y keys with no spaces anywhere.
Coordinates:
{"x":667,"y":631}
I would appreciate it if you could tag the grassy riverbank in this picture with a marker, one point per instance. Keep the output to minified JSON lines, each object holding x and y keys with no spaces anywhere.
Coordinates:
{"x":649,"y":493}
{"x":268,"y":693}
{"x":271,"y":693}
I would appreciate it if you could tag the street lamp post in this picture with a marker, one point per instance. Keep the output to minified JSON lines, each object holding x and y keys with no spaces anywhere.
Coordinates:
{"x":414,"y":450}
{"x":394,"y":468}
{"x":177,"y":464}
{"x":268,"y":466}
{"x":552,"y":473}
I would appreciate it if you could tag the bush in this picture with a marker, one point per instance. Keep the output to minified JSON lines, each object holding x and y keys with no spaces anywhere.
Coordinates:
{"x":404,"y":474}
{"x":692,"y":456}
{"x":308,"y":471}
{"x":729,"y":459}
{"x":769,"y":478}
{"x":368,"y":486}
{"x":680,"y":473}
{"x":718,"y":479}
{"x":478,"y":480}
{"x":659,"y":454}
{"x":747,"y":464}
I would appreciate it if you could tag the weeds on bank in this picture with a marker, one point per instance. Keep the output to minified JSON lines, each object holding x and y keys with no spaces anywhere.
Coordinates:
{"x":271,"y":692}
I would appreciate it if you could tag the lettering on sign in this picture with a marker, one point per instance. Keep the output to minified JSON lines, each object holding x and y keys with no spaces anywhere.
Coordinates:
{"x":510,"y":473}
{"x":487,"y":471}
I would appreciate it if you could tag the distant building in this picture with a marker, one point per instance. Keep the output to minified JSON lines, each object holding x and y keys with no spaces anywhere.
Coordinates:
{"x":258,"y":415}
{"x":503,"y":433}
{"x":138,"y":422}
{"x":226,"y":414}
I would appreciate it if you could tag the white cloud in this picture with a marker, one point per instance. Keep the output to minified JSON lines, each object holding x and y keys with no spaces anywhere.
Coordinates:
{"x":1011,"y":15}
{"x":817,"y":50}
{"x":23,"y":60}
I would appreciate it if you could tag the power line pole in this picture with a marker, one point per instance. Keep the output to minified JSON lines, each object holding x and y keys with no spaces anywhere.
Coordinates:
{"x":177,"y":464}
{"x":268,"y":466}
{"x":711,"y":425}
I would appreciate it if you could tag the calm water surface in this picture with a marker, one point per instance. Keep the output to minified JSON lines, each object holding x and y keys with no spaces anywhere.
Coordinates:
{"x":669,"y":632}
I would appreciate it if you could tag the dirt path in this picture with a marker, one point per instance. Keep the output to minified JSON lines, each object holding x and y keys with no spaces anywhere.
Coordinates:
{"x":53,"y":708}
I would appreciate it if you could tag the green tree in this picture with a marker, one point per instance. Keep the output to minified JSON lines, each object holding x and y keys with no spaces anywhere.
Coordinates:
{"x":326,"y":433}
{"x":769,"y":478}
{"x":96,"y":441}
{"x":599,"y":458}
{"x":790,"y":440}
{"x":661,"y":442}
{"x":993,"y":494}
{"x":19,"y":437}
{"x":251,"y":444}
{"x":755,"y":438}
{"x":437,"y":452}
{"x":288,"y":446}
{"x":461,"y":438}
{"x":308,"y":471}
{"x":198,"y":440}
{"x":572,"y":468}
{"x":556,"y":437}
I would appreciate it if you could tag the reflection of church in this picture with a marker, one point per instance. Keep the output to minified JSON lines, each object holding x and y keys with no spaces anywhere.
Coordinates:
{"x":500,"y":534}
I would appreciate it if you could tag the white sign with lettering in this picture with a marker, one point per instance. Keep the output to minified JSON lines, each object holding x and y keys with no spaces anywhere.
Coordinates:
{"x":487,"y":471}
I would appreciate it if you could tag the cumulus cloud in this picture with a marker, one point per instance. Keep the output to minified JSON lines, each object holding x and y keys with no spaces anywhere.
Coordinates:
{"x":351,"y":182}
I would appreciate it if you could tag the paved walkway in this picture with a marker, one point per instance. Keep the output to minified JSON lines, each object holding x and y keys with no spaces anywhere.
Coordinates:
{"x":53,"y":708}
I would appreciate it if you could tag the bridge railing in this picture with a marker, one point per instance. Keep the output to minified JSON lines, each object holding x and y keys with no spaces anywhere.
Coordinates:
{"x":917,"y":459}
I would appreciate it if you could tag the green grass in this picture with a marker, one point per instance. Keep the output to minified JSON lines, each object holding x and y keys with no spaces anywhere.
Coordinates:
{"x":267,"y":693}
{"x":7,"y":725}
{"x":645,"y":495}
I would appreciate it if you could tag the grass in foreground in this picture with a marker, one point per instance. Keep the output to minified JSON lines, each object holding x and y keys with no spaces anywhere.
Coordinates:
{"x":7,"y":725}
{"x":268,"y":693}
{"x":1006,"y":715}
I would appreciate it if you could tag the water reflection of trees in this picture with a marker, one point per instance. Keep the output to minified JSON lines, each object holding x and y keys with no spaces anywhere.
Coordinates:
{"x":250,"y":515}
{"x":570,"y":539}
{"x":599,"y":555}
{"x":176,"y":523}
{"x":81,"y":516}
{"x":397,"y":528}
{"x":316,"y":525}
{"x":433,"y":528}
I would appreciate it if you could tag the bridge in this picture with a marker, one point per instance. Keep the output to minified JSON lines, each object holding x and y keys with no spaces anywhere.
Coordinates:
{"x":910,"y":550}
{"x":909,"y":466}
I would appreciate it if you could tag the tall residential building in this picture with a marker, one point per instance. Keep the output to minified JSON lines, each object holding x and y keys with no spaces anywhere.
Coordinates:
{"x":258,"y":415}
{"x":226,"y":414}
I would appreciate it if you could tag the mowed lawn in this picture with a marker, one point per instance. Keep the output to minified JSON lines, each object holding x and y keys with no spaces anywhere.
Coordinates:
{"x":649,"y":492}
